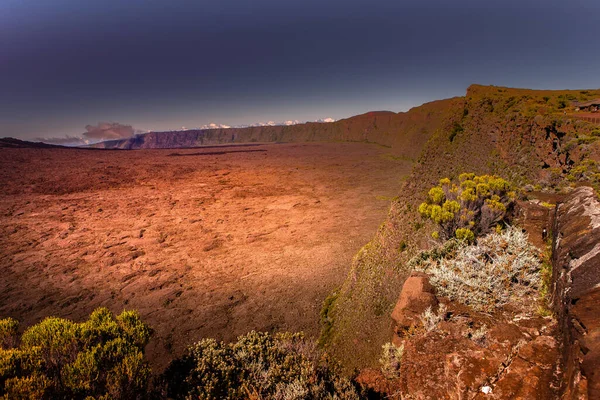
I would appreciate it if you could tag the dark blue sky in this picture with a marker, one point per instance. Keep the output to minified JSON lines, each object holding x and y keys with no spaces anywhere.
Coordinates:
{"x":158,"y":65}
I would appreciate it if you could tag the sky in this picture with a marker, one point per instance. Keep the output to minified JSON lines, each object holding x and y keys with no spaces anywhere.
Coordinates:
{"x":107,"y":68}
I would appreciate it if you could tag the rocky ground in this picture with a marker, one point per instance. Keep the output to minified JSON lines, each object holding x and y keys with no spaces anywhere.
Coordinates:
{"x":203,"y":242}
{"x":516,"y":351}
{"x":508,"y":354}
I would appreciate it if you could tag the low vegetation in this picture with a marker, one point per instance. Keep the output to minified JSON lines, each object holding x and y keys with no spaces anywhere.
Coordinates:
{"x":471,"y":207}
{"x":546,"y":279}
{"x":100,"y":358}
{"x":499,"y":268}
{"x":258,"y":366}
{"x":431,"y":319}
{"x":391,"y":360}
{"x":103,"y":358}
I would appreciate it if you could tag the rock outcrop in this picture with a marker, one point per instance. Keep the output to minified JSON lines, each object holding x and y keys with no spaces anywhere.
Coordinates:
{"x":576,"y":294}
{"x":467,"y":354}
{"x":417,"y":296}
{"x":510,"y":354}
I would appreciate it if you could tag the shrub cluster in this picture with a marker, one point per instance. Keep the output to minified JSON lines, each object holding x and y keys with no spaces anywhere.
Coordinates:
{"x":100,"y":358}
{"x":501,"y":267}
{"x":472,"y":207}
{"x":391,"y":360}
{"x":260,"y":366}
{"x":588,"y":170}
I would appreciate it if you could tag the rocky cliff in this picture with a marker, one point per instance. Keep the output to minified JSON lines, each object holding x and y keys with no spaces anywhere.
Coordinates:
{"x":508,"y":354}
{"x":576,"y":296}
{"x":522,"y":135}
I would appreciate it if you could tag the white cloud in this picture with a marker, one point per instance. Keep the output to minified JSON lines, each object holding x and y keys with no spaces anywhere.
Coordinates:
{"x":215,"y":126}
{"x":268,"y":123}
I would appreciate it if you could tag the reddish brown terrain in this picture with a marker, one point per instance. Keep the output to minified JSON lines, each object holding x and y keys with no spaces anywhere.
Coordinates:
{"x":205,"y":242}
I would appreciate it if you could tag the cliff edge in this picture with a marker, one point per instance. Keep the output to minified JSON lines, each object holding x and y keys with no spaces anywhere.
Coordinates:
{"x":576,"y":296}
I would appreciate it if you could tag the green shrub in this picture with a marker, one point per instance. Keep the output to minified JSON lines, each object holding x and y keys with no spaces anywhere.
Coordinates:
{"x":465,"y":234}
{"x":469,"y":208}
{"x":546,"y":278}
{"x":258,"y":365}
{"x":447,"y":250}
{"x":326,"y":316}
{"x":584,"y":139}
{"x":61,"y":359}
{"x":584,"y":171}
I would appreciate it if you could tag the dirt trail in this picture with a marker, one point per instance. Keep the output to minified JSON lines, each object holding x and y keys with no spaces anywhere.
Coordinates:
{"x":215,"y":243}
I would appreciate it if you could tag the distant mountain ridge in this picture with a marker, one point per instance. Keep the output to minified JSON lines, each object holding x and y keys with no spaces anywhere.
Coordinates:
{"x":404,"y":132}
{"x":9,"y":142}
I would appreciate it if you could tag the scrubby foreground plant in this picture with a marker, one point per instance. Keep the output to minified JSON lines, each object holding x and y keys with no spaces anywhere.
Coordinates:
{"x":100,"y":358}
{"x":258,"y":366}
{"x":499,"y":268}
{"x":391,"y":360}
{"x":473,"y":207}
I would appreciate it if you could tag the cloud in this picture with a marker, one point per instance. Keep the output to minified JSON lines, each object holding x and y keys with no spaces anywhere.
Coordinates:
{"x":108,"y":131}
{"x":273,"y":123}
{"x":65,"y":140}
{"x":268,"y":123}
{"x":215,"y":126}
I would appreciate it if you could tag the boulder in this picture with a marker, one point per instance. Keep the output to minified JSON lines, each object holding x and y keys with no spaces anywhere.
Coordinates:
{"x":417,"y":295}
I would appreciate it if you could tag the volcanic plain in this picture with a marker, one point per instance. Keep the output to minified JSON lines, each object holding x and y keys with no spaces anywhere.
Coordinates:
{"x":203,"y":242}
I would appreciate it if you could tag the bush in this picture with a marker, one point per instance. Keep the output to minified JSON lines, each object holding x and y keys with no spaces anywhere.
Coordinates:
{"x":61,"y":359}
{"x":258,"y":365}
{"x":430,"y":319}
{"x":391,"y":360}
{"x":501,"y":267}
{"x":470,"y":208}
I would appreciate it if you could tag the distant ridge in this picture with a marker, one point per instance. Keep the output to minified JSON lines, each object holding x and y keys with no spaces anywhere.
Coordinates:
{"x":9,"y":142}
{"x":405,"y":133}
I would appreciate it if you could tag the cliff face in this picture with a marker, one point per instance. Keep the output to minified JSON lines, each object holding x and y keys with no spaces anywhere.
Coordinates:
{"x":576,"y":296}
{"x":522,"y":135}
{"x":404,"y":133}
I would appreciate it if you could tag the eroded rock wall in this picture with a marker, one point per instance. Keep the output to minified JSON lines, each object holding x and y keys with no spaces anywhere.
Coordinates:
{"x":576,"y":296}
